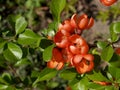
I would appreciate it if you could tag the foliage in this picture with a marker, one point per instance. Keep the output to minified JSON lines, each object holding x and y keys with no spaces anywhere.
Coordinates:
{"x":25,"y":53}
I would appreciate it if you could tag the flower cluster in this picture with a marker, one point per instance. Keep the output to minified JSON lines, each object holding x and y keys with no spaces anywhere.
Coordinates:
{"x":70,"y":47}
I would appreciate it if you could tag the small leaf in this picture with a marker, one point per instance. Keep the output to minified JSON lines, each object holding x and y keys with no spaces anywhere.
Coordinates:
{"x":7,"y":78}
{"x":52,"y":84}
{"x":3,"y":81}
{"x":11,"y":88}
{"x":35,"y":74}
{"x":74,"y":82}
{"x":115,"y":60}
{"x":15,"y":50}
{"x":110,"y":88}
{"x":97,"y":77}
{"x":109,"y":76}
{"x":45,"y":43}
{"x":3,"y":87}
{"x":9,"y":56}
{"x":12,"y":19}
{"x":79,"y":84}
{"x":51,"y":27}
{"x":47,"y":54}
{"x":45,"y":74}
{"x":20,"y":25}
{"x":101,"y":44}
{"x":107,"y":53}
{"x":29,"y":38}
{"x":2,"y":61}
{"x":95,"y":86}
{"x":23,"y":62}
{"x":2,"y":43}
{"x":56,"y":7}
{"x":68,"y":74}
{"x":116,"y":27}
{"x":115,"y":72}
{"x":114,"y":37}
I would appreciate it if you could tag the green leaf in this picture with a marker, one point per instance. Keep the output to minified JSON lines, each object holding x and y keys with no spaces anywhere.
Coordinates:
{"x":68,"y":74}
{"x":80,"y":85}
{"x":116,"y":27}
{"x":9,"y":56}
{"x":3,"y":87}
{"x":95,"y":86}
{"x":24,"y":61}
{"x":7,"y":78}
{"x":109,"y":76}
{"x":20,"y":25}
{"x":2,"y":43}
{"x":2,"y":61}
{"x":45,"y":74}
{"x":101,"y":44}
{"x":115,"y":72}
{"x":3,"y":81}
{"x":47,"y":54}
{"x":110,"y":88}
{"x":13,"y":52}
{"x":29,"y":38}
{"x":115,"y":60}
{"x":35,"y":74}
{"x":25,"y":51}
{"x":56,"y":8}
{"x":45,"y":43}
{"x":97,"y":61}
{"x":107,"y":53}
{"x":97,"y":76}
{"x":12,"y":19}
{"x":52,"y":84}
{"x":74,"y":82}
{"x":114,"y":37}
{"x":51,"y":27}
{"x":11,"y":88}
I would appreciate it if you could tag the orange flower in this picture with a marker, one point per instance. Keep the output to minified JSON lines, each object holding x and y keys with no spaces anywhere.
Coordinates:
{"x":88,"y":57}
{"x":66,"y":25}
{"x":54,"y":64}
{"x":84,"y":66}
{"x":78,"y":58}
{"x":67,"y":55}
{"x":78,"y":45}
{"x":108,"y":2}
{"x":57,"y":60}
{"x":83,"y":22}
{"x":61,"y":39}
